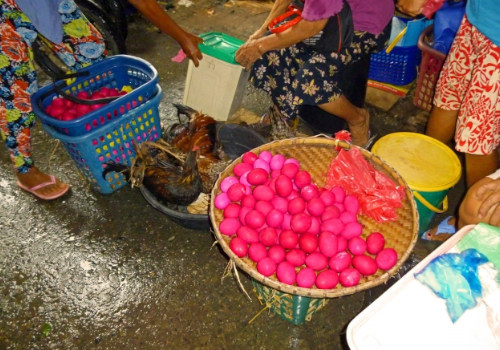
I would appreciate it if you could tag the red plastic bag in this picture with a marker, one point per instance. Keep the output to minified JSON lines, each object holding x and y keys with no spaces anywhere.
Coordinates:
{"x":431,"y":6}
{"x":378,"y":195}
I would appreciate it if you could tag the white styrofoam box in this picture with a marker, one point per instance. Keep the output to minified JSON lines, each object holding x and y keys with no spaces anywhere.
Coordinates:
{"x":215,"y":87}
{"x":410,"y":316}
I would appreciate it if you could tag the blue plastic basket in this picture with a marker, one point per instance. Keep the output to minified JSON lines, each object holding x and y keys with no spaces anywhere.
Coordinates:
{"x":113,"y":72}
{"x":399,"y":67}
{"x":112,"y":142}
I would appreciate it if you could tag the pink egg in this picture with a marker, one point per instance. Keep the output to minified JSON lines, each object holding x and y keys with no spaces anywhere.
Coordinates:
{"x":261,"y":164}
{"x":236,"y":192}
{"x":316,"y":261}
{"x":263,"y":193}
{"x":229,"y":226}
{"x":340,"y":261}
{"x":327,"y":279}
{"x":268,"y":236}
{"x":293,"y":195}
{"x":347,"y":217}
{"x":274,"y":218}
{"x":243,"y":213}
{"x":327,"y":197}
{"x":349,"y":277}
{"x":292,"y":161}
{"x":288,"y":239}
{"x":327,"y":243}
{"x":386,"y":258}
{"x":228,"y":182}
{"x":285,"y":225}
{"x":286,"y":273}
{"x":315,"y":207}
{"x":356,"y":245}
{"x":232,"y":210}
{"x":241,"y":168}
{"x":238,"y":247}
{"x":277,"y":253}
{"x":266,"y":156}
{"x":284,"y":186}
{"x":221,"y":201}
{"x":249,"y":157}
{"x":297,"y":205}
{"x":375,"y":242}
{"x":351,"y":204}
{"x":300,"y":223}
{"x":277,"y":162}
{"x":266,"y":266}
{"x":296,"y":257}
{"x":275,"y":173}
{"x":248,"y":201}
{"x":334,"y":226}
{"x":257,"y":251}
{"x":330,"y":212}
{"x":255,"y":219}
{"x":302,"y":178}
{"x":248,"y":234}
{"x":280,"y":204}
{"x":264,"y":207}
{"x":340,"y":207}
{"x":364,"y":264}
{"x":306,"y":277}
{"x":315,"y":225}
{"x":341,"y":244}
{"x":339,"y":193}
{"x":257,"y":176}
{"x":309,"y":192}
{"x":308,"y":242}
{"x":244,"y":179}
{"x":289,"y":170}
{"x":352,"y":229}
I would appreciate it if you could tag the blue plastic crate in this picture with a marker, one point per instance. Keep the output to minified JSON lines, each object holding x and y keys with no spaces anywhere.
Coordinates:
{"x":112,"y":142}
{"x":399,"y":67}
{"x":113,"y":72}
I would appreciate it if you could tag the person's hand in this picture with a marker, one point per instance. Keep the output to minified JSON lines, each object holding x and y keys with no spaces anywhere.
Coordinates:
{"x":489,"y":195}
{"x":248,"y":53}
{"x":411,"y":7}
{"x":189,"y":44}
{"x":258,"y":34}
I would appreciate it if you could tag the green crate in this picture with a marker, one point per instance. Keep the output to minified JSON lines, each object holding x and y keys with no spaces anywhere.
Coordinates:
{"x":293,"y":308}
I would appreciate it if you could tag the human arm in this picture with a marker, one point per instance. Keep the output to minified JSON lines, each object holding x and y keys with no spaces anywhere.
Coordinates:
{"x":411,"y":7}
{"x":279,"y":7}
{"x":253,"y":49}
{"x":157,"y":16}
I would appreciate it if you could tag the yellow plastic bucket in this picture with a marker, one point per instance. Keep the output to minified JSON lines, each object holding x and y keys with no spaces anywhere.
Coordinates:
{"x":429,"y":167}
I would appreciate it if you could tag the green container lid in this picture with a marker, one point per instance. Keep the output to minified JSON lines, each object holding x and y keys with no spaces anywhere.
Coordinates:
{"x":220,"y":45}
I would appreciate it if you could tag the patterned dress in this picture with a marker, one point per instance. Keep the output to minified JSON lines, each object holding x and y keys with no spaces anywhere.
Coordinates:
{"x":82,"y":45}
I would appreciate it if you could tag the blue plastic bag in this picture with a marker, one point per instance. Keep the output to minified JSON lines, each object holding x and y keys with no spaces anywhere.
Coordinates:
{"x":454,"y":278}
{"x":446,"y":23}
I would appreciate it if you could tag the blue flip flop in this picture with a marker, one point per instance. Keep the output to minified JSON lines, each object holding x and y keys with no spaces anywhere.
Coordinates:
{"x":443,"y":231}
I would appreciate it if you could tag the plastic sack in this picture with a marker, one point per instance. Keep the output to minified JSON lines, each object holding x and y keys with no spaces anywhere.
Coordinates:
{"x":454,"y":278}
{"x":431,"y":6}
{"x":446,"y":23}
{"x":378,"y":195}
{"x":488,"y":276}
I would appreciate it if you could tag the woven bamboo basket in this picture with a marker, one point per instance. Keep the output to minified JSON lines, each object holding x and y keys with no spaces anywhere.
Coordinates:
{"x":315,"y":155}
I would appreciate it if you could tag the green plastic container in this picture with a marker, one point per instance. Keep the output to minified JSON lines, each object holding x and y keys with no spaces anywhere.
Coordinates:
{"x":220,"y":45}
{"x":293,"y":308}
{"x":429,"y":167}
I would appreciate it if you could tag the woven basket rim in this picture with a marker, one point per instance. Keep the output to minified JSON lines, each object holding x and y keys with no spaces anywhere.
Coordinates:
{"x":339,"y":290}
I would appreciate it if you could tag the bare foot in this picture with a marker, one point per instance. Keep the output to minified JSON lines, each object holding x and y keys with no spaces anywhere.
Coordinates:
{"x":360,"y":131}
{"x":41,"y":185}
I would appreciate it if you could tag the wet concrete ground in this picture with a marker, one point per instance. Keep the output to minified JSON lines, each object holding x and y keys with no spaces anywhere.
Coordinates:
{"x":93,"y":271}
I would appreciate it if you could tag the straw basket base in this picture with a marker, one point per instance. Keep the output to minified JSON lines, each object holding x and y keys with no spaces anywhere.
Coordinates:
{"x":296,"y":309}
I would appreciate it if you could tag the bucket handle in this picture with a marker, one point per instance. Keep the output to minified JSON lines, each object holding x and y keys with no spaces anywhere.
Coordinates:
{"x":429,"y":205}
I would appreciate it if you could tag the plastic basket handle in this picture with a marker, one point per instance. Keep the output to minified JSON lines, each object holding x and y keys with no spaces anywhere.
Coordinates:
{"x":429,"y":205}
{"x":281,"y":23}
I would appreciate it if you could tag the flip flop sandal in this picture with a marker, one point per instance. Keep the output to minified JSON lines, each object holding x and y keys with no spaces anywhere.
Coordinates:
{"x":33,"y":190}
{"x":443,"y":231}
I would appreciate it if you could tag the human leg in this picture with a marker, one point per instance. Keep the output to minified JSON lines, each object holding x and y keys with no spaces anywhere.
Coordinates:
{"x":441,"y":124}
{"x":18,"y":81}
{"x":479,"y":166}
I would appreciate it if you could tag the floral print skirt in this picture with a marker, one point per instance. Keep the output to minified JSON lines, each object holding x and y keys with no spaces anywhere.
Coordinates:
{"x":299,"y":75}
{"x":82,"y":45}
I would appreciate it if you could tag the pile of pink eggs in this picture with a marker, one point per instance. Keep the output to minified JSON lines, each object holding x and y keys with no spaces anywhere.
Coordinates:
{"x":305,"y":235}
